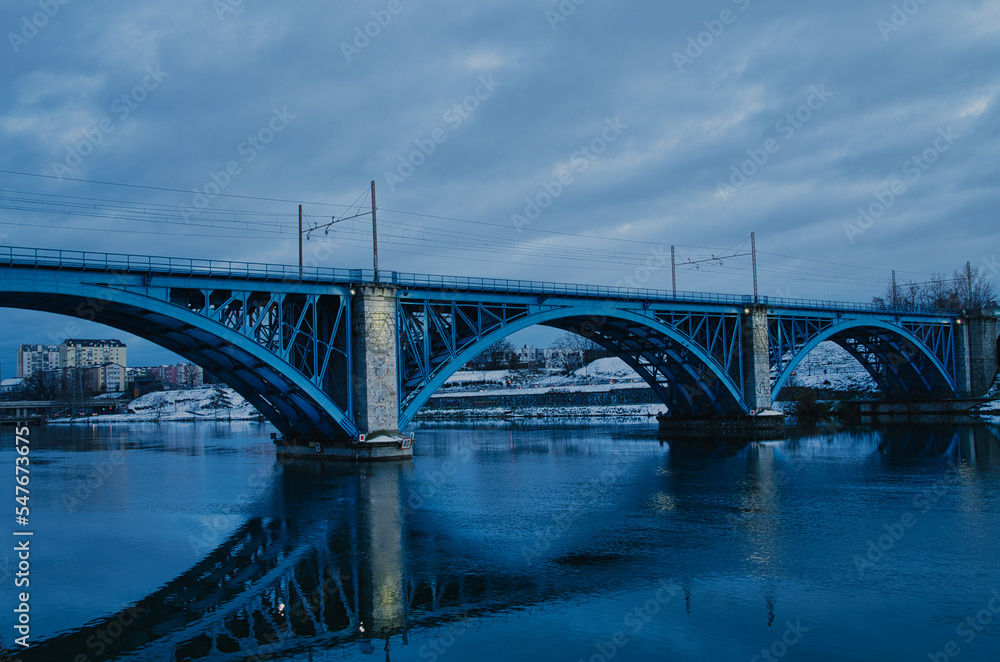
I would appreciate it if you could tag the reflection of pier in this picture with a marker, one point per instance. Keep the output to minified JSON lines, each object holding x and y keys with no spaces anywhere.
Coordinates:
{"x":346,"y":560}
{"x":972,"y":443}
{"x":301,"y":583}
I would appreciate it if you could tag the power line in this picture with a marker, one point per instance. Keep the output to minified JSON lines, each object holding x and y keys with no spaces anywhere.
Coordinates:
{"x":162,"y":188}
{"x":253,"y":221}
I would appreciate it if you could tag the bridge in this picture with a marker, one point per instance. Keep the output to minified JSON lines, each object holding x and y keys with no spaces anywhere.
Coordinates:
{"x":329,"y":354}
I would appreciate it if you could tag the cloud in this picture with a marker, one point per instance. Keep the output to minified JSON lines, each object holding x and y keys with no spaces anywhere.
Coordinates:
{"x":657,"y":185}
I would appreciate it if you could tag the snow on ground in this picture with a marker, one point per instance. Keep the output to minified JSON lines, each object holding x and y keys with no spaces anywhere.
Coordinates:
{"x":536,"y":390}
{"x":215,"y":403}
{"x":609,"y":368}
{"x":603,"y":411}
{"x":827,"y":366}
{"x":477,"y":377}
{"x":602,"y":371}
{"x":993,"y":406}
{"x":830,"y":366}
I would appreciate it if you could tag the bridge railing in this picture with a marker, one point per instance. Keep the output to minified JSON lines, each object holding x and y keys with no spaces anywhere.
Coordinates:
{"x":172,"y":266}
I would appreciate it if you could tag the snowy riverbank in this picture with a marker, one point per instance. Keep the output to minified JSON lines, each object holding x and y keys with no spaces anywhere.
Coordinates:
{"x":214,"y":403}
{"x":827,"y":367}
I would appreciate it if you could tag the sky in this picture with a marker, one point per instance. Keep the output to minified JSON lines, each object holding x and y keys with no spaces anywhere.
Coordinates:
{"x":569,"y":141}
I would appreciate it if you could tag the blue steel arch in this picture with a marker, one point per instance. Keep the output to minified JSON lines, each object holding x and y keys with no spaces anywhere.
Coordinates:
{"x":286,"y":397}
{"x":838,"y":330}
{"x":553,"y":317}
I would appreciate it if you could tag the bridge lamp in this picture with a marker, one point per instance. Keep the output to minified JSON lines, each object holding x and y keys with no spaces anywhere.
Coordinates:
{"x":746,"y":310}
{"x":353,"y":292}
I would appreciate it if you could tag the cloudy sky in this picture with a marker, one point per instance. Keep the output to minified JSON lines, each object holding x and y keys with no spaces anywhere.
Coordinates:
{"x":572,"y":141}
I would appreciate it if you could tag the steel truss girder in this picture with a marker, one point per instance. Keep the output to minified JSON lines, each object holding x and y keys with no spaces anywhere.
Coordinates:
{"x":719,"y":334}
{"x":251,"y":348}
{"x":692,"y":359}
{"x":907,"y":358}
{"x":900,"y":368}
{"x":433,"y":333}
{"x":787,"y":335}
{"x":685,"y":382}
{"x":309,"y":331}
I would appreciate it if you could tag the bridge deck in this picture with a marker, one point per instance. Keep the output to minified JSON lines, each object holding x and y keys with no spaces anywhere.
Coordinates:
{"x":43,"y":258}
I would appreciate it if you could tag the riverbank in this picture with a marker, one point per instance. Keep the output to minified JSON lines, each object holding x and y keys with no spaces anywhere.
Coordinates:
{"x":606,"y":388}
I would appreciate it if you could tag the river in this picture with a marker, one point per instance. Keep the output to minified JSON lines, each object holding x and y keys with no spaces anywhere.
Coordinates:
{"x":540,"y":541}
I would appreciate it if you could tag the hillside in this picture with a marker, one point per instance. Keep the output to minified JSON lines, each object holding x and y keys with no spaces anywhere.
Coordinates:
{"x":213,"y":403}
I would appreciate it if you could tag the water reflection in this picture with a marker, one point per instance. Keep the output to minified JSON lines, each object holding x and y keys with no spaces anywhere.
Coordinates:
{"x":330,"y":571}
{"x":345,"y":559}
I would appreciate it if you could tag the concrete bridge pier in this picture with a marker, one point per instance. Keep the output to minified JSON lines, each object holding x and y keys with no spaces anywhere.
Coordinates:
{"x":976,"y":354}
{"x":375,"y":359}
{"x":756,"y":366}
{"x":756,"y":393}
{"x":374,"y":390}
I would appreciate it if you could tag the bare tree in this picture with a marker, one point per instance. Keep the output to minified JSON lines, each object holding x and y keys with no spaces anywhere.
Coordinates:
{"x":496,"y":357}
{"x":975,"y":291}
{"x":44,"y":385}
{"x":575,"y":351}
{"x":966,"y":289}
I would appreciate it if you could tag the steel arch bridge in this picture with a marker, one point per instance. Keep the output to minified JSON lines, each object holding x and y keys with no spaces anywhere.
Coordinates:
{"x":331,"y":353}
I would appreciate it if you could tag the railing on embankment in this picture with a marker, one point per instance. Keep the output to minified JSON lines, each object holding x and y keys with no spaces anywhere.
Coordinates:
{"x":442,"y":403}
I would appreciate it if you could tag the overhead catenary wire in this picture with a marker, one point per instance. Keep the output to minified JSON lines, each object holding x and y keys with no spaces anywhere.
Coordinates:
{"x":560,"y":249}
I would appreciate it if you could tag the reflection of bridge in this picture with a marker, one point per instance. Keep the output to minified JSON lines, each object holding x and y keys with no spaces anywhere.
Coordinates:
{"x":344,"y":561}
{"x":308,"y":581}
{"x":329,"y":353}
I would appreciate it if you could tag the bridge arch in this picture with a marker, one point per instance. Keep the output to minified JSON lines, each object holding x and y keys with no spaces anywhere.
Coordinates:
{"x":685,"y":377}
{"x":908,"y":363}
{"x":283,"y":395}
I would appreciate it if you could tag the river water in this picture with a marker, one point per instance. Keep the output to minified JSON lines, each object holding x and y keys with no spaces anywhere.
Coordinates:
{"x":545,"y":541}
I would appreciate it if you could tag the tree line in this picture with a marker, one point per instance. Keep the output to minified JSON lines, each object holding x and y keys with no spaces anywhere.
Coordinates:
{"x":967,"y":289}
{"x":574,"y":352}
